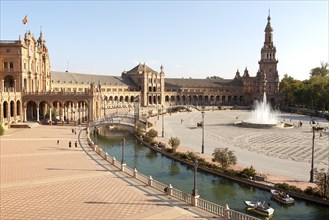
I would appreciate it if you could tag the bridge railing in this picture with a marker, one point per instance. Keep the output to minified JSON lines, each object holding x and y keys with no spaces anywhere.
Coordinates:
{"x":169,"y":190}
{"x":116,"y":118}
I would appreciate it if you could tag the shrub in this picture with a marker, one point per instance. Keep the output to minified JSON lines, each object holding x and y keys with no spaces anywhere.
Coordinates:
{"x":224,"y":156}
{"x":2,"y":130}
{"x":174,"y":142}
{"x":152,"y":133}
{"x":248,"y":172}
{"x":191,"y":156}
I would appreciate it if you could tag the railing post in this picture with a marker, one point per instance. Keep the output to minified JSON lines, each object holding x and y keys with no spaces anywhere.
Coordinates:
{"x":227,"y":212}
{"x":151,"y":181}
{"x":113,"y":160}
{"x":135,"y":173}
{"x":106,"y":155}
{"x":169,"y":190}
{"x":194,"y":199}
{"x":123,"y":167}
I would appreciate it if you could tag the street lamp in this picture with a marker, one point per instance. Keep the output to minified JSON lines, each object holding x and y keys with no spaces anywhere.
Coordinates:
{"x":195,"y":190}
{"x":202,"y":113}
{"x":312,"y":162}
{"x":162,"y":122}
{"x":123,"y":151}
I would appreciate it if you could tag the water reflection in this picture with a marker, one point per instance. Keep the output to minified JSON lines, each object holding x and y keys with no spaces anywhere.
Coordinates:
{"x":212,"y":188}
{"x":173,"y":168}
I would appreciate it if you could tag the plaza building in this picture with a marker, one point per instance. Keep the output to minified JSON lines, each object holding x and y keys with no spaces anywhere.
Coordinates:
{"x":31,"y":91}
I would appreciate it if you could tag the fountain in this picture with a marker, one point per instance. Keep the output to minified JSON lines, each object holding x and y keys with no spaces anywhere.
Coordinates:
{"x":263,"y":116}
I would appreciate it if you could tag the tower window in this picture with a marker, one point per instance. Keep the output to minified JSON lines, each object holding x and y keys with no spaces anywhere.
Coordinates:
{"x":11,"y":65}
{"x":269,"y":38}
{"x":5,"y":65}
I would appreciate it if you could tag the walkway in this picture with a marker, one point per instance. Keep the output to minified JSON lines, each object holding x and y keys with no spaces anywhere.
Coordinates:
{"x":40,"y":179}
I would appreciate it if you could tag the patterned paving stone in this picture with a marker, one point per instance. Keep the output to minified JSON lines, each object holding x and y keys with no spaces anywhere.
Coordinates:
{"x":43,"y":180}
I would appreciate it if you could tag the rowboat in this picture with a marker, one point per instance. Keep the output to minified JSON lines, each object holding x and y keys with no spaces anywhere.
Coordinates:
{"x":260,"y":208}
{"x":282,"y":197}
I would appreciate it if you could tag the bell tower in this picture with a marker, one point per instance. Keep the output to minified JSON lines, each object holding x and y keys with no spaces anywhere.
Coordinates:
{"x":267,"y":75}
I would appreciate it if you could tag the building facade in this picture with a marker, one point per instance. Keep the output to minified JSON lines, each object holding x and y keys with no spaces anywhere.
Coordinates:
{"x":31,"y":91}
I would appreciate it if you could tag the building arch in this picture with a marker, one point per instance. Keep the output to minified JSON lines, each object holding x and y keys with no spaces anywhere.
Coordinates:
{"x":5,"y":109}
{"x":12,"y":108}
{"x":206,"y":99}
{"x":18,"y":108}
{"x":172,"y":98}
{"x":31,"y":111}
{"x":9,"y":83}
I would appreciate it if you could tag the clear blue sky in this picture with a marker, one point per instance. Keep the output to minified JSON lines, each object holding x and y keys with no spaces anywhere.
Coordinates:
{"x":190,"y":38}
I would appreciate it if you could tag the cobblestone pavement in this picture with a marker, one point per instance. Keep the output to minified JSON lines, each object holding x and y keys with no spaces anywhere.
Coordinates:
{"x":43,"y":180}
{"x":281,"y":151}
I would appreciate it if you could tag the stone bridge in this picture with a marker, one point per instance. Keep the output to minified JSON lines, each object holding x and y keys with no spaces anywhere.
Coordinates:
{"x":119,"y":119}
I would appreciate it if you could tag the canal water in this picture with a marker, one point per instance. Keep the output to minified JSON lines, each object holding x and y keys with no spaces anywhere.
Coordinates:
{"x":210,"y":187}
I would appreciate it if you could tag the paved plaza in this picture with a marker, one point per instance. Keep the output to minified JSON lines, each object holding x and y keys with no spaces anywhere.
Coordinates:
{"x":284,"y":152}
{"x":43,"y":180}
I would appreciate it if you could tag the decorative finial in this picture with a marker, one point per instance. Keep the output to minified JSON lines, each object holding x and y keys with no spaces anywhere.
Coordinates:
{"x":269,"y":15}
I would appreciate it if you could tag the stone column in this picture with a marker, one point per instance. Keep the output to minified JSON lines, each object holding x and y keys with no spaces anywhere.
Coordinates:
{"x":3,"y":85}
{"x":50,"y":116}
{"x":15,"y":111}
{"x":83,"y":111}
{"x":14,"y":85}
{"x":62,"y":113}
{"x":79,"y":112}
{"x":1,"y":114}
{"x":25,"y":115}
{"x":71,"y":111}
{"x":75,"y":113}
{"x":38,"y":111}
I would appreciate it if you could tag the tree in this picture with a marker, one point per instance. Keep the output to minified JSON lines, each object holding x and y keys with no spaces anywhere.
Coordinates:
{"x":320,"y":71}
{"x":174,"y":142}
{"x":152,"y":133}
{"x":224,"y":156}
{"x":322,"y":181}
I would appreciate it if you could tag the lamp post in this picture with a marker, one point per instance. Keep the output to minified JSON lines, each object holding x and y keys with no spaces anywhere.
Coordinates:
{"x":123,"y":151}
{"x":162,"y":122}
{"x":202,"y":148}
{"x":312,"y":162}
{"x":195,"y":190}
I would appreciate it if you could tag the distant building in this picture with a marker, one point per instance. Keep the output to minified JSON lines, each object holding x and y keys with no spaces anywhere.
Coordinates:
{"x":30,"y":91}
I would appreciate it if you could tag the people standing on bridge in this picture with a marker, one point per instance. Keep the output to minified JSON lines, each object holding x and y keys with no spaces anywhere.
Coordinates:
{"x":69,"y":143}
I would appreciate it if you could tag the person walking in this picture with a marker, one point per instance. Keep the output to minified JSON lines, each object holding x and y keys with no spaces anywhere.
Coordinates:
{"x":76,"y":144}
{"x":69,"y":143}
{"x":57,"y":142}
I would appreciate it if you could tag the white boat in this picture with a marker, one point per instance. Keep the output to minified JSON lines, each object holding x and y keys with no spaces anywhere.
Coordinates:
{"x":282,"y":197}
{"x":260,"y":208}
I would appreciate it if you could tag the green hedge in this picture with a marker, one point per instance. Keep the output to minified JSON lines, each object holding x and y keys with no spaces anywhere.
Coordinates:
{"x":2,"y":130}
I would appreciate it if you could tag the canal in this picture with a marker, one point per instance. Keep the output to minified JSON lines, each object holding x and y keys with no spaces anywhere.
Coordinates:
{"x":210,"y":187}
